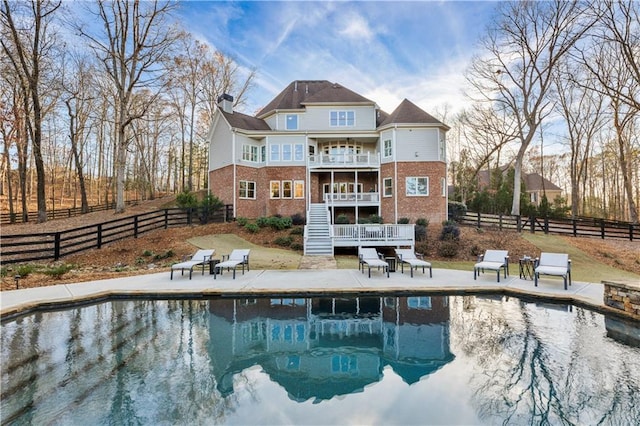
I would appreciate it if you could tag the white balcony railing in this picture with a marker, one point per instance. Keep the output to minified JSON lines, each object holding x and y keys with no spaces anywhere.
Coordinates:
{"x":368,"y":159}
{"x":374,"y":234}
{"x":352,"y":197}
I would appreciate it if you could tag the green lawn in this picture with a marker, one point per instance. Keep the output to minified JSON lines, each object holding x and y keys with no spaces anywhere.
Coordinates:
{"x":583,"y":267}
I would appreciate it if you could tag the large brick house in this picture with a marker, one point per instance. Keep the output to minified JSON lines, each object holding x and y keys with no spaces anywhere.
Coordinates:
{"x":320,"y":145}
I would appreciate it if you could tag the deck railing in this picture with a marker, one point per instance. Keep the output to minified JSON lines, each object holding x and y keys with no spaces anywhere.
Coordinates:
{"x":352,"y":197}
{"x":367,"y":159}
{"x":373,"y":234}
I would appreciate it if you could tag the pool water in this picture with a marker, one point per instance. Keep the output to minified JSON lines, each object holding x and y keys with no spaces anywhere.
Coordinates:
{"x":366,"y":360}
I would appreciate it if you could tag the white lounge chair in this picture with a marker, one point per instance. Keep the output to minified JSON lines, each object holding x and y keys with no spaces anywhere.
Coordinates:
{"x":238,"y":257}
{"x":494,"y":260}
{"x":199,"y":258}
{"x":414,"y":260}
{"x":370,"y":257}
{"x":553,"y":264}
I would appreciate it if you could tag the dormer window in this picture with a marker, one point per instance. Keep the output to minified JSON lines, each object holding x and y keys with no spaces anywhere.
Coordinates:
{"x":292,"y":122}
{"x":343,"y":118}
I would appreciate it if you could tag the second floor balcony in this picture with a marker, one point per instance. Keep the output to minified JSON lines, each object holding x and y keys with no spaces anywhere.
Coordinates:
{"x":367,"y":159}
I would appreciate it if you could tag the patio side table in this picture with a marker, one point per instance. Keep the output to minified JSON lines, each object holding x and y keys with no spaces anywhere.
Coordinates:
{"x":527,"y":266}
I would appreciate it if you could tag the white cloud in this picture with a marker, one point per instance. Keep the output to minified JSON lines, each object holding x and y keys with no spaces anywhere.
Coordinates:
{"x":356,"y":27}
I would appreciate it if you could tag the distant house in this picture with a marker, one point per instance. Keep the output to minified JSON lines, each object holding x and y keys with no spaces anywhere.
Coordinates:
{"x":320,"y":147}
{"x":535,"y":185}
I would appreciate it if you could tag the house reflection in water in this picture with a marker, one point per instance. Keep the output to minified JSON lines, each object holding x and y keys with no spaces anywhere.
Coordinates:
{"x":324,"y":347}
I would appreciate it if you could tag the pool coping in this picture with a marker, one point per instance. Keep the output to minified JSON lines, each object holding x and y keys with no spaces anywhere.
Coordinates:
{"x":304,"y":283}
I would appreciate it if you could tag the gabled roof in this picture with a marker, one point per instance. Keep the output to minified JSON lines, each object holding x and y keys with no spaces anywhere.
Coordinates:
{"x":245,"y":122}
{"x":535,"y":182}
{"x":532,"y":181}
{"x":302,"y":92}
{"x":409,"y":113}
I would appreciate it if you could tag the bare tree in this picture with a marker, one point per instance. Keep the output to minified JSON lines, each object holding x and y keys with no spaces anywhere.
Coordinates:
{"x":583,"y":111}
{"x":27,"y":43}
{"x":514,"y":72}
{"x":613,"y":59}
{"x":79,"y":98}
{"x":136,"y":37}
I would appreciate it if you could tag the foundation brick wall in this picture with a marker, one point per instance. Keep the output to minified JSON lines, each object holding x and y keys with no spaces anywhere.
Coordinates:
{"x":623,"y":295}
{"x":432,"y":207}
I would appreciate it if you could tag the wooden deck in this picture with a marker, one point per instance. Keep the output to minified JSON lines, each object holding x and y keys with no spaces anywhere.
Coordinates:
{"x":373,"y":235}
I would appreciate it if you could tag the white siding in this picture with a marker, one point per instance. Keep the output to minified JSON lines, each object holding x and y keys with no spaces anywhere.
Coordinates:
{"x":243,"y":140}
{"x":318,"y":118}
{"x":423,"y":142}
{"x":386,"y":135}
{"x":292,"y":140}
{"x":220,"y":147}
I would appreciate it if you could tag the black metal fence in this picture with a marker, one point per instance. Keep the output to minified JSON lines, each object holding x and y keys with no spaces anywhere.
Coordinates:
{"x":21,"y":248}
{"x":578,"y":227}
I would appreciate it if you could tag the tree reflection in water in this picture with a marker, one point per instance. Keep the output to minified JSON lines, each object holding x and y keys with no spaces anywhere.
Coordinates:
{"x":383,"y":360}
{"x":530,"y":372}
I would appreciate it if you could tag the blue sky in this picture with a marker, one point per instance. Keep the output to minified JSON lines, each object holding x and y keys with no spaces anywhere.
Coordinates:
{"x":384,"y":50}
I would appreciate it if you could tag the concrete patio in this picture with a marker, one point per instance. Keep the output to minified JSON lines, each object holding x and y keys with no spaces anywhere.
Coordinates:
{"x":308,"y":282}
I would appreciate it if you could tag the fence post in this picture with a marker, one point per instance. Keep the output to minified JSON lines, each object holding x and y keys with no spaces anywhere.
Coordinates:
{"x":189,"y":215}
{"x":56,"y":247}
{"x":99,"y":239}
{"x":519,"y":223}
{"x":135,"y":226}
{"x":479,"y":220}
{"x":532,"y":223}
{"x":166,"y":218}
{"x":631,"y":232}
{"x":575,"y":227}
{"x":546,"y":224}
{"x":602,"y":228}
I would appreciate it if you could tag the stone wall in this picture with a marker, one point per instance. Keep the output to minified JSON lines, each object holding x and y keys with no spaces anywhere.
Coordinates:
{"x":623,"y":295}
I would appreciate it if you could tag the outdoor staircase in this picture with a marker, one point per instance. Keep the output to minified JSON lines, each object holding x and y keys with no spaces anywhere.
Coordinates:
{"x":318,"y":232}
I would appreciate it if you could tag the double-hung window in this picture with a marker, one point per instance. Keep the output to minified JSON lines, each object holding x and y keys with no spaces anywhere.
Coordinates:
{"x":275,"y":152}
{"x":417,"y":186}
{"x":388,"y":150}
{"x":343,"y":118}
{"x":286,"y":152}
{"x":298,"y":152}
{"x":287,"y":190}
{"x":250,"y":153}
{"x":387,"y":183}
{"x":275,"y":188}
{"x":247,"y":189}
{"x":298,"y":189}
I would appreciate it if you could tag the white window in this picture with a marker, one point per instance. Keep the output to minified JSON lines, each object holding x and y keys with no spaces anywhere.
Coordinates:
{"x":287,"y":189}
{"x":286,"y":152}
{"x":417,"y":186}
{"x":275,"y":188}
{"x":298,"y":189}
{"x":388,"y":151}
{"x":263,"y":153}
{"x":443,"y":184}
{"x":387,"y":183}
{"x":423,"y":302}
{"x":343,"y":118}
{"x":275,"y":152}
{"x":250,"y":153}
{"x":292,"y":122}
{"x":247,"y":189}
{"x":443,"y":153}
{"x":298,"y":152}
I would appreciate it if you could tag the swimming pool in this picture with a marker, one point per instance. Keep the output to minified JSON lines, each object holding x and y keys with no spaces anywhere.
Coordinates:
{"x":365,"y":360}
